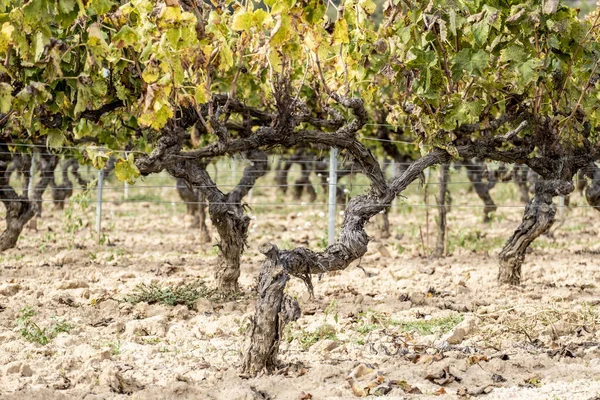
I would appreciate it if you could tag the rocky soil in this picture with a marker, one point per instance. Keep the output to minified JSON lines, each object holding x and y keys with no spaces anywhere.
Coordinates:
{"x":399,"y":325}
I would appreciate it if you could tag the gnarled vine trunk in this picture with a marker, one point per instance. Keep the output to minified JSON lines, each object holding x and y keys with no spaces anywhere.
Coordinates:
{"x":538,"y":217}
{"x":273,"y":308}
{"x":592,"y":190}
{"x":226,"y":212}
{"x":19,"y":209}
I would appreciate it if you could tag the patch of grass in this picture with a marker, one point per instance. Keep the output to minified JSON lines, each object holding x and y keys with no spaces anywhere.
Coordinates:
{"x":32,"y":332}
{"x":431,"y":326}
{"x":169,"y":295}
{"x":307,"y":339}
{"x":370,"y":321}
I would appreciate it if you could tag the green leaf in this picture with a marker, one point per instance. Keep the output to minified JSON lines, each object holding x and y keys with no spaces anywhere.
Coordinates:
{"x":474,"y":62}
{"x":40,"y":42}
{"x":83,"y":97}
{"x":55,"y":138}
{"x":527,"y":72}
{"x":97,"y":156}
{"x":84,"y":128}
{"x":5,"y":97}
{"x":125,"y":170}
{"x":101,"y":6}
{"x":202,"y":94}
{"x":513,"y":53}
{"x":66,"y":6}
{"x":481,"y":31}
{"x":314,"y":12}
{"x":127,"y":37}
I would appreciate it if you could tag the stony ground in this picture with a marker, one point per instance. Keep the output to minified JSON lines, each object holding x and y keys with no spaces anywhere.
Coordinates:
{"x":401,"y":325}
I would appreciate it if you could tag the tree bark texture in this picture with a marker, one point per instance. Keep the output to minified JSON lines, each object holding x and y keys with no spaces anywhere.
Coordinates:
{"x":302,"y":262}
{"x":538,"y":217}
{"x":592,"y":189}
{"x":19,"y":209}
{"x":226,"y":213}
{"x":441,"y":200}
{"x":274,"y":310}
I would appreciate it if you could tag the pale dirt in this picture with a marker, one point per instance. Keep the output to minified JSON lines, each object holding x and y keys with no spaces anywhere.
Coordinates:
{"x":541,"y":338}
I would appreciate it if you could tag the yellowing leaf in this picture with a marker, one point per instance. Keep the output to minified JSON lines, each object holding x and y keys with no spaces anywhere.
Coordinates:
{"x":202,"y":94}
{"x":275,"y":61}
{"x":282,"y":31}
{"x":261,"y":17}
{"x":369,"y":6}
{"x":126,"y":37}
{"x":226,"y":57}
{"x":125,"y":170}
{"x":5,"y":35}
{"x":340,"y":32}
{"x":242,"y":21}
{"x":5,"y":97}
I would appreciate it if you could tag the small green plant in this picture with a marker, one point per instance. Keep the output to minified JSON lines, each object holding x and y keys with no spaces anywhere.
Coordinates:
{"x":77,"y":206}
{"x":430,"y":326}
{"x":115,"y":348}
{"x":170,"y":295}
{"x":307,"y":339}
{"x":371,"y":320}
{"x":32,"y":332}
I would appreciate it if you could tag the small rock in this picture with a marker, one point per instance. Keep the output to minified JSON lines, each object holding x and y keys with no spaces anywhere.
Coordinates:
{"x":417,"y":298}
{"x":230,"y":306}
{"x":154,"y":326}
{"x":25,"y":370}
{"x":180,"y":312}
{"x":112,"y":378}
{"x":62,"y":258}
{"x":359,"y":299}
{"x":12,"y":368}
{"x":384,"y":251}
{"x":328,"y":345}
{"x":9,"y":289}
{"x":427,"y":270}
{"x":102,"y":355}
{"x":116,"y":327}
{"x":204,"y":305}
{"x":456,"y":336}
{"x":74,"y":284}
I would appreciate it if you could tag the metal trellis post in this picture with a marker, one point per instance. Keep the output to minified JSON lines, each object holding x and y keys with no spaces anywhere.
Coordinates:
{"x":99,"y":201}
{"x":31,"y":172}
{"x":332,"y":194}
